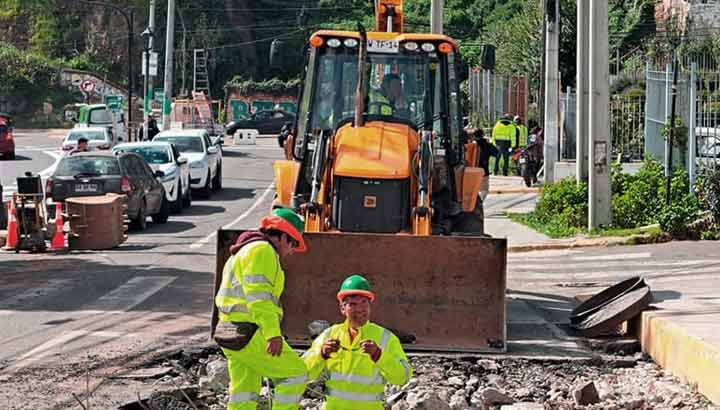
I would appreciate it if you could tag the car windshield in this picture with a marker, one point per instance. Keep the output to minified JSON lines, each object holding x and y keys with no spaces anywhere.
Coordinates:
{"x":87,"y":165}
{"x":100,"y":117}
{"x":183,"y":144}
{"x":89,"y":135}
{"x":153,"y":155}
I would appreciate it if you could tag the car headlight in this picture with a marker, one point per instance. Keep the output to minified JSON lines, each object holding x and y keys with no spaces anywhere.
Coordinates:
{"x":197,"y":165}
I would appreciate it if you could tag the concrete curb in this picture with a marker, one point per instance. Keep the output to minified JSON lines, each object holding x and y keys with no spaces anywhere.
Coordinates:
{"x":520,"y":190}
{"x":589,"y":242}
{"x":687,"y":356}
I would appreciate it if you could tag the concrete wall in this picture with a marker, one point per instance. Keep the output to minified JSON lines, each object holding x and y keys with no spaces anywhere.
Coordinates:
{"x":704,"y":13}
{"x":239,"y":105}
{"x":564,"y":169}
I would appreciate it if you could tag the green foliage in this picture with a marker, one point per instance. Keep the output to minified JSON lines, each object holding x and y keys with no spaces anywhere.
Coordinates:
{"x":24,"y":72}
{"x":563,"y":203}
{"x":680,"y":136}
{"x":272,"y":86}
{"x":708,"y":190}
{"x":675,"y":218}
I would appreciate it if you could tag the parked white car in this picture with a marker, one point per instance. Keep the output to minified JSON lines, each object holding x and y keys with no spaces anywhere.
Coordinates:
{"x":203,"y":154}
{"x":175,"y":172}
{"x":99,"y":138}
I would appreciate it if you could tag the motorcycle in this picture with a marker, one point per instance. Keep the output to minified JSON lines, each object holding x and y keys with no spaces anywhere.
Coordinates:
{"x":530,"y":161}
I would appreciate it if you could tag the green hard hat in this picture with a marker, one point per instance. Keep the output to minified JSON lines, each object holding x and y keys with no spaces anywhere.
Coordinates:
{"x":290,"y":216}
{"x":355,"y":285}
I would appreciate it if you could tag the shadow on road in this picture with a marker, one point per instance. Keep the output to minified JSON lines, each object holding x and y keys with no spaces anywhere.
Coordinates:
{"x":17,"y":158}
{"x":199,"y":210}
{"x":172,"y":226}
{"x":235,"y":154}
{"x":232,"y":194}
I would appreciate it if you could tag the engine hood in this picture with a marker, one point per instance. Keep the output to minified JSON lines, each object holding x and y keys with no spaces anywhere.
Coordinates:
{"x":376,"y":150}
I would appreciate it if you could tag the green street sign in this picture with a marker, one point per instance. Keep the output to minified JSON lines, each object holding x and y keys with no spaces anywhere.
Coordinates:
{"x":115,"y":102}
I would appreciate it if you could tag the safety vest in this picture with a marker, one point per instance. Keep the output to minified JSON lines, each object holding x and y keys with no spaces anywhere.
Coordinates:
{"x":355,"y":381}
{"x":379,"y":104}
{"x":252,"y":283}
{"x":523,"y":138}
{"x":503,"y":131}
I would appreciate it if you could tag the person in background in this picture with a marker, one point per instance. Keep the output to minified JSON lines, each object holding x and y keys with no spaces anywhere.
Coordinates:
{"x":486,"y":150}
{"x":504,"y":135}
{"x":82,"y":146}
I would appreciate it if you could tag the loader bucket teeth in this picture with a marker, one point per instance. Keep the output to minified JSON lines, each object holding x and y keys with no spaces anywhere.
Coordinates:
{"x":437,"y":293}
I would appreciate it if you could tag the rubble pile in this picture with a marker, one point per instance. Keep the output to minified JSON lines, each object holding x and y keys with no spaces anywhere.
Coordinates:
{"x":469,"y":383}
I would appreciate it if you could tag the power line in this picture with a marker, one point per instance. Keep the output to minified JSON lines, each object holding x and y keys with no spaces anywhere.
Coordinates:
{"x":286,"y":35}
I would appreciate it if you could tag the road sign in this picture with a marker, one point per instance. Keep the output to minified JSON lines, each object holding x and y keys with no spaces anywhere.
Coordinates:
{"x":114,"y":102}
{"x":153,"y":69}
{"x":88,"y":86}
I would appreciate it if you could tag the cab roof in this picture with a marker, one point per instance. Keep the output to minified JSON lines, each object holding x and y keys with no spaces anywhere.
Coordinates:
{"x":375,"y":35}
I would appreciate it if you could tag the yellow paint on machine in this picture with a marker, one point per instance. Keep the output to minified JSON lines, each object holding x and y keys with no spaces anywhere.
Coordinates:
{"x":687,"y":357}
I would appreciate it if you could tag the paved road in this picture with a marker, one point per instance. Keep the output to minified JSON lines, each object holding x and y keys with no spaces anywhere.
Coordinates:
{"x":36,"y":151}
{"x":97,"y":311}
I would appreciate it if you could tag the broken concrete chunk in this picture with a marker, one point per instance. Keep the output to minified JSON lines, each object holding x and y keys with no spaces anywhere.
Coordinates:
{"x":426,"y":400}
{"x":586,"y":394}
{"x":523,"y":406}
{"x":456,"y":381}
{"x":494,"y":397}
{"x":487,"y":364}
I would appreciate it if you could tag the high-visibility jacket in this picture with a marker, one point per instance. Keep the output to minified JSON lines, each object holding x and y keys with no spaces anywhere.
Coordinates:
{"x":504,"y":130}
{"x":522,"y":135}
{"x":355,"y":381}
{"x":252,"y":283}
{"x":379,"y":103}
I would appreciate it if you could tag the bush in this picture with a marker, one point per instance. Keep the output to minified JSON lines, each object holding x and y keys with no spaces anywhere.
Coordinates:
{"x":564,"y":204}
{"x":708,"y":190}
{"x":676,"y":218}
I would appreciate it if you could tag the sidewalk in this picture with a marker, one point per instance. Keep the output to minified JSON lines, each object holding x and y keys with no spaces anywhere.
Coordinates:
{"x":681,"y":333}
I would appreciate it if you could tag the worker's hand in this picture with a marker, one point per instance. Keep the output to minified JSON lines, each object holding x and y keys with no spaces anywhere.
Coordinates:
{"x":274,"y":346}
{"x":371,"y":348}
{"x":329,"y":347}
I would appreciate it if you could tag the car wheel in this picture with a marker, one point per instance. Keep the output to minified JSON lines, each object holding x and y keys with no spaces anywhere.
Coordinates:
{"x":205,"y":191}
{"x":217,"y":181}
{"x":162,"y":216}
{"x":176,"y":205}
{"x":187,"y":199}
{"x":140,"y":221}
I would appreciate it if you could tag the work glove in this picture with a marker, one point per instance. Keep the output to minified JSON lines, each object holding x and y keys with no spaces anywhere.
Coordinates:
{"x":274,"y":346}
{"x":329,"y":347}
{"x":371,"y":348}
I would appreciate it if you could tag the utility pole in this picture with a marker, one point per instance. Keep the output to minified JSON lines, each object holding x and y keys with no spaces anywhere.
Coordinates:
{"x":169,"y":61}
{"x":671,"y":134}
{"x":436,"y":16}
{"x":552,"y":88}
{"x":599,"y":131}
{"x":581,"y":93}
{"x":148,"y":79}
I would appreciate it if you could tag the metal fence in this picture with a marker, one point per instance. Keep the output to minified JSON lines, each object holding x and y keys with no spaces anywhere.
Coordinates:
{"x":492,"y":95}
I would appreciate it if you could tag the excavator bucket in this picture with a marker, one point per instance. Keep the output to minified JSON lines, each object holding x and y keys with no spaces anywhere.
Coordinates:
{"x":437,"y":293}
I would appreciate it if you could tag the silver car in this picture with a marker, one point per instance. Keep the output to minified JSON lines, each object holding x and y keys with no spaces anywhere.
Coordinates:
{"x":99,"y":138}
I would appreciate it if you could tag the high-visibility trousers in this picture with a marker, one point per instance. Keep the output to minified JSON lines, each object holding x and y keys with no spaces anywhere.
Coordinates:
{"x":248,"y":366}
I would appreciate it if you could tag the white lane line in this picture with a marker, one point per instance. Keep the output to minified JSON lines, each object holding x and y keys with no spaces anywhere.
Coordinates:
{"x":204,"y":241}
{"x":620,"y":256}
{"x":648,"y":273}
{"x":49,"y":170}
{"x":129,"y":294}
{"x":53,"y":286}
{"x":581,"y":267}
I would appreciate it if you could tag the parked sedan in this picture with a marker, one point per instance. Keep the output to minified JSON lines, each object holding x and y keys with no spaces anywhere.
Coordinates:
{"x":266,"y":122}
{"x":99,"y":138}
{"x":165,"y":157}
{"x":7,"y":142}
{"x":98,"y":173}
{"x":204,"y":155}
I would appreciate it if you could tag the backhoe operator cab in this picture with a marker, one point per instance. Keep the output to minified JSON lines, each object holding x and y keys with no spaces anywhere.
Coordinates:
{"x":402,"y":168}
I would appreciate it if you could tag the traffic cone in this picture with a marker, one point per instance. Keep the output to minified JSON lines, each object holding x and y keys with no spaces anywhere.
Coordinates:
{"x":58,"y":240}
{"x":12,"y":228}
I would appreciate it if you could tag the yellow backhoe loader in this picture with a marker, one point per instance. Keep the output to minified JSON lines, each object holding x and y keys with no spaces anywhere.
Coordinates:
{"x":380,"y":168}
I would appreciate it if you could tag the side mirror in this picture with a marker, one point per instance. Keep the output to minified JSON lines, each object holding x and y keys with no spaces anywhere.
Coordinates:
{"x":212,"y":150}
{"x":231,"y":127}
{"x":220,"y":141}
{"x":159,"y":174}
{"x":182,"y":160}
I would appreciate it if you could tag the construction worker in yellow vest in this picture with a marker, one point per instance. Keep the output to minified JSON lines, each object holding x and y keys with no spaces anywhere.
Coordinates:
{"x":389,"y":99}
{"x":248,"y":305}
{"x":504,"y":137}
{"x":358,"y":355}
{"x":522,"y":132}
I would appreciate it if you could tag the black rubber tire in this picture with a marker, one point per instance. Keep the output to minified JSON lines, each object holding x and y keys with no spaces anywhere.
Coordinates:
{"x":162,"y":216}
{"x":187,"y":199}
{"x":176,"y":206}
{"x":140,"y":221}
{"x":217,"y":181}
{"x":205,"y":191}
{"x":525,"y":173}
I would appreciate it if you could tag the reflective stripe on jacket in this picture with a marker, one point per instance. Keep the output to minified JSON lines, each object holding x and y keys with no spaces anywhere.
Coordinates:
{"x":523,"y":137}
{"x":504,"y":131}
{"x":356,"y":382}
{"x":379,"y":104}
{"x":252,"y":283}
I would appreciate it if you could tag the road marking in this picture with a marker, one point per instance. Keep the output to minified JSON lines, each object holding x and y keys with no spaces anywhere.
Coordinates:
{"x":620,"y":256}
{"x":204,"y":241}
{"x":53,"y":286}
{"x":129,"y":294}
{"x":49,"y":170}
{"x":579,"y":267}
